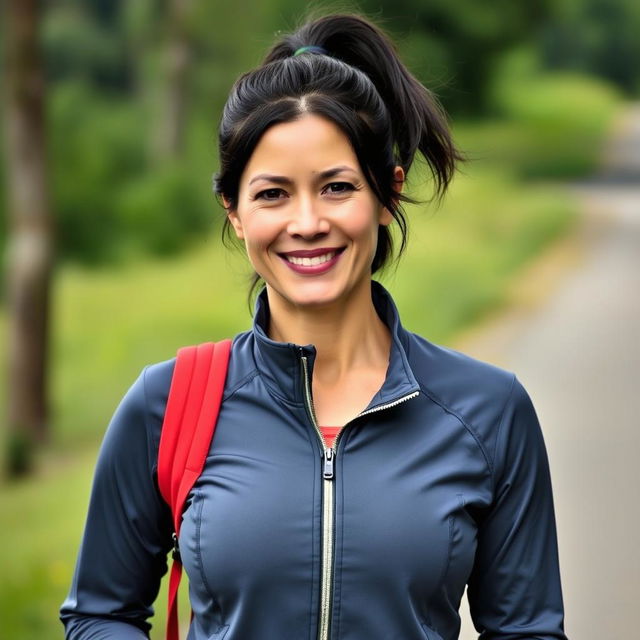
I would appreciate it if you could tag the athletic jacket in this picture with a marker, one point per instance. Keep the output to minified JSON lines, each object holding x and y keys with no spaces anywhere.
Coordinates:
{"x":442,"y":481}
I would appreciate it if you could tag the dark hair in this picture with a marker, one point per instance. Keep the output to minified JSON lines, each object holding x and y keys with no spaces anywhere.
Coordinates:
{"x":350,"y":74}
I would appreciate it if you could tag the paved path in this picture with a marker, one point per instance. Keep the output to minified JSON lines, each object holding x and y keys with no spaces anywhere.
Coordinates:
{"x":578,"y":354}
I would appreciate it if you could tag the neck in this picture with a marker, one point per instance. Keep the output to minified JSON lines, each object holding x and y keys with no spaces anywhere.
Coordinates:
{"x":347,"y":335}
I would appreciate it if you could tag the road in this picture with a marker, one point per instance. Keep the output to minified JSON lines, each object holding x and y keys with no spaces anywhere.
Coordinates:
{"x":578,"y":354}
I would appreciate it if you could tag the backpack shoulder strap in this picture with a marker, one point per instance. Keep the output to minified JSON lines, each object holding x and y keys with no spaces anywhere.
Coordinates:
{"x":189,"y":422}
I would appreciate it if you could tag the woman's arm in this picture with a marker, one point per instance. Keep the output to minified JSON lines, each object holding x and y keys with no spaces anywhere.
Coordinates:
{"x":514,"y":590}
{"x":127,"y":534}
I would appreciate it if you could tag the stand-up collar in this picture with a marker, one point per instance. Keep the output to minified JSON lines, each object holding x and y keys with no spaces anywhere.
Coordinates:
{"x":280,"y":363}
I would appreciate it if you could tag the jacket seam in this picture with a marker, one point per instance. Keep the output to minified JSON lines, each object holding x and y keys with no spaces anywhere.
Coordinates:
{"x":499,"y":430}
{"x":198,"y":496}
{"x":273,"y":390}
{"x":445,"y":569}
{"x":156,"y":444}
{"x":248,"y":378}
{"x":245,"y":380}
{"x":338,"y":574}
{"x":145,"y":412}
{"x":464,"y":423}
{"x":404,"y":357}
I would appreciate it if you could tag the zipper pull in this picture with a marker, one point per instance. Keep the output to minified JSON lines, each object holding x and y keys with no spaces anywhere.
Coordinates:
{"x":329,"y":458}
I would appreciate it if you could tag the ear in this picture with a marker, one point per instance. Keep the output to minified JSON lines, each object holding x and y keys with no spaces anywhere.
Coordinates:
{"x":386,"y":218}
{"x":234,"y":219}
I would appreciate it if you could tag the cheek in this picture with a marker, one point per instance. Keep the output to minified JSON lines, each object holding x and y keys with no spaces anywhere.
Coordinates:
{"x":362,"y":223}
{"x":257,"y":236}
{"x":260,"y":233}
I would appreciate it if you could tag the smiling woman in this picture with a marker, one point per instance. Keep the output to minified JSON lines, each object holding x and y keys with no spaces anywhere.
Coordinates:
{"x":360,"y":476}
{"x":313,"y":238}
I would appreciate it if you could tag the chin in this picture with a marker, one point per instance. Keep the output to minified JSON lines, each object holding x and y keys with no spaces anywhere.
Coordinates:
{"x":315,"y":298}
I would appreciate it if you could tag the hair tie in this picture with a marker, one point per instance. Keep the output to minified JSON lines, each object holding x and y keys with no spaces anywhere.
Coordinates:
{"x":311,"y":48}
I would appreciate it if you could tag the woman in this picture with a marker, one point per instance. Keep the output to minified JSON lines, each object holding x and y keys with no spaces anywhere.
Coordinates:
{"x":360,"y":476}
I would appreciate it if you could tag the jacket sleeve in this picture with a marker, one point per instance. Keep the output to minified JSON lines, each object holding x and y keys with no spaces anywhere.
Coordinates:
{"x":514,"y":589}
{"x":127,"y":534}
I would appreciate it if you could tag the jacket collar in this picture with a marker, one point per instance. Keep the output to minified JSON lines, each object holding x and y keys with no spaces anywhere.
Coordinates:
{"x":280,"y":363}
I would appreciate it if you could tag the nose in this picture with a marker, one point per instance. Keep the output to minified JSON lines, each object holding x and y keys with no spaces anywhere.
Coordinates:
{"x":307,"y":220}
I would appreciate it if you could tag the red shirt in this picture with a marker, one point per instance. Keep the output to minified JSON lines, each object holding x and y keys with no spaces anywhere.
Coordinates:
{"x":329,"y":434}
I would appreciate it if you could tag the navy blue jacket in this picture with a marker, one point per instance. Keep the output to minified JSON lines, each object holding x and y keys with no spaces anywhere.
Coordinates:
{"x":441,"y":482}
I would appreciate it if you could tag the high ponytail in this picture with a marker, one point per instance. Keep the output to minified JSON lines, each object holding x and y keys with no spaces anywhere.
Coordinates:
{"x":345,"y":69}
{"x":417,"y":119}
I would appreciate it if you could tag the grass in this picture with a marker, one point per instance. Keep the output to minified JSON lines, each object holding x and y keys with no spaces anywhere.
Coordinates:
{"x":109,"y":323}
{"x":464,"y":255}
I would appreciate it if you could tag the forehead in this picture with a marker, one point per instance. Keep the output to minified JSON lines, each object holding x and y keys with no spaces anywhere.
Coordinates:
{"x":309,"y":144}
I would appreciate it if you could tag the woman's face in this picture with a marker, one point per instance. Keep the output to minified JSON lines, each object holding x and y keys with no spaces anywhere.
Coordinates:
{"x":307,"y":215}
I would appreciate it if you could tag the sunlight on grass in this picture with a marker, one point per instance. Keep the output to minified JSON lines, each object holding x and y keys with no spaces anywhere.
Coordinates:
{"x":109,"y":324}
{"x":461,"y":256}
{"x":42,"y":520}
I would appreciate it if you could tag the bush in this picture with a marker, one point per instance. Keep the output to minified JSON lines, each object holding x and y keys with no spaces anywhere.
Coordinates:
{"x":96,"y":147}
{"x":557,"y":121}
{"x":109,"y":201}
{"x":162,"y":210}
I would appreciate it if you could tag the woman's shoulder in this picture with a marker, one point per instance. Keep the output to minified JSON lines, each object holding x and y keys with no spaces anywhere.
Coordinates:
{"x":478,"y":393}
{"x":140,"y":413}
{"x":453,"y":372}
{"x":155,"y":380}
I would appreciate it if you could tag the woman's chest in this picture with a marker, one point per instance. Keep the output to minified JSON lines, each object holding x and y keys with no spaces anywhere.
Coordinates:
{"x":397,"y":507}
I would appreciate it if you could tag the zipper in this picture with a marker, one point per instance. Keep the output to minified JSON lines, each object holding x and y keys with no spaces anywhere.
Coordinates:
{"x":328,"y":469}
{"x":328,"y":514}
{"x":388,"y":405}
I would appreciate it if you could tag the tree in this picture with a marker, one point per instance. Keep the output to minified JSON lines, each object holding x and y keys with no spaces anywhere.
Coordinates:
{"x":595,"y":36}
{"x":177,"y":62}
{"x":30,"y":245}
{"x":453,"y":47}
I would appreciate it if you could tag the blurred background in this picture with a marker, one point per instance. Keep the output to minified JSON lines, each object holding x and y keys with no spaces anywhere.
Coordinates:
{"x":110,"y":235}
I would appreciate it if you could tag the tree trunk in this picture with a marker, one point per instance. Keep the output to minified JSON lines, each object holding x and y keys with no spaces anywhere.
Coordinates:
{"x":30,"y":244}
{"x":171,"y":134}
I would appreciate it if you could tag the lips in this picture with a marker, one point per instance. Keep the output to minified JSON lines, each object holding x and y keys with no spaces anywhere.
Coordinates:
{"x":312,"y":261}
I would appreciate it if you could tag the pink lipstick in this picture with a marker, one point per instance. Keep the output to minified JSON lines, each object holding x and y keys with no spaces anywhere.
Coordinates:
{"x":312,"y":261}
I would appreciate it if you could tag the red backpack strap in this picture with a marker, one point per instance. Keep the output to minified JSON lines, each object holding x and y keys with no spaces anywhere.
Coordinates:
{"x":189,"y":422}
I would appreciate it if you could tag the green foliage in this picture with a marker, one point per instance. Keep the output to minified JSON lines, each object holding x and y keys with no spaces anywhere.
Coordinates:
{"x":78,"y":46}
{"x":595,"y":37}
{"x":96,"y":148}
{"x":454,"y":46}
{"x":524,"y":93}
{"x":546,"y":125}
{"x":18,"y":453}
{"x":467,"y":252}
{"x":42,"y":519}
{"x":564,"y":123}
{"x":109,"y":202}
{"x":4,"y":223}
{"x":162,"y":210}
{"x":111,"y":322}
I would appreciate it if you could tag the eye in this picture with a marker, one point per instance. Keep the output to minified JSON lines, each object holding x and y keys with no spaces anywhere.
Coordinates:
{"x":270,"y":194}
{"x":339,"y":188}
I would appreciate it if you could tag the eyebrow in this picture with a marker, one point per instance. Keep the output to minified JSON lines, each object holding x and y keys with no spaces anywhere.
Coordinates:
{"x":323,"y":175}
